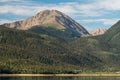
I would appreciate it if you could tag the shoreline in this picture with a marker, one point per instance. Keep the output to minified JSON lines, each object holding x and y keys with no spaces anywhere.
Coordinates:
{"x":64,"y":75}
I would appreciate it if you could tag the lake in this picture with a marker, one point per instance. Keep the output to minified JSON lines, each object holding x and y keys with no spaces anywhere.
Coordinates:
{"x":59,"y":78}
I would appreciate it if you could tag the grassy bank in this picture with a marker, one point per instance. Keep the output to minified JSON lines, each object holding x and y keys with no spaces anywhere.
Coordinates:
{"x":6,"y":75}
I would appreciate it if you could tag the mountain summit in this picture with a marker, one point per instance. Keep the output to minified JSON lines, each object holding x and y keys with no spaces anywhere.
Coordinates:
{"x":97,"y":32}
{"x":49,"y":18}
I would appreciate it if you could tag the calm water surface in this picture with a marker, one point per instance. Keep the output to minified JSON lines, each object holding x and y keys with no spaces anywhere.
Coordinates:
{"x":59,"y":78}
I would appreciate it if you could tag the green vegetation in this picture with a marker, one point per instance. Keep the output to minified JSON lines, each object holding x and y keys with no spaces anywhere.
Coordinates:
{"x":26,"y":52}
{"x":65,"y":34}
{"x":42,"y":50}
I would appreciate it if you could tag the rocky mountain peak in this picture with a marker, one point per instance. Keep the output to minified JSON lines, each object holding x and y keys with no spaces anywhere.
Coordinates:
{"x":99,"y":31}
{"x":50,"y":12}
{"x":48,"y":18}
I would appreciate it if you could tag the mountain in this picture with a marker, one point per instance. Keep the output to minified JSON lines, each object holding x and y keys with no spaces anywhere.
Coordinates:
{"x":99,"y":31}
{"x":41,"y":48}
{"x":50,"y":19}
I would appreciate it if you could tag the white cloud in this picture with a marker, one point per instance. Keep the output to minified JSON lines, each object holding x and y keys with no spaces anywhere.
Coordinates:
{"x":68,"y":8}
{"x":96,"y":8}
{"x":110,"y":22}
{"x":18,"y":10}
{"x":5,"y":21}
{"x":104,"y":21}
{"x":27,"y":10}
{"x":110,"y":4}
{"x":9,"y":0}
{"x":103,"y":4}
{"x":88,"y":28}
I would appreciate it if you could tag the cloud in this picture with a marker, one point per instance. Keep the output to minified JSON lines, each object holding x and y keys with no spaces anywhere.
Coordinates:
{"x":96,"y":8}
{"x":5,"y":21}
{"x":103,"y":21}
{"x":9,"y":0}
{"x":110,"y":22}
{"x":102,"y":5}
{"x":17,"y":10}
{"x":110,"y":4}
{"x":88,"y":28}
{"x":27,"y":10}
{"x":33,"y":9}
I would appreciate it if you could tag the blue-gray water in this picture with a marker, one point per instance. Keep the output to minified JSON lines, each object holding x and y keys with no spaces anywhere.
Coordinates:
{"x":59,"y":78}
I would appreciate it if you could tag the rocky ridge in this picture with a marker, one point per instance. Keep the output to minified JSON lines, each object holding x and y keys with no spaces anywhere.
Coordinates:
{"x":99,"y":31}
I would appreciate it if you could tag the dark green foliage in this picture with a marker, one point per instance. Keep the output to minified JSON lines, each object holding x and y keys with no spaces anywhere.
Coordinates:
{"x":49,"y":53}
{"x":65,"y":35}
{"x":113,"y":34}
{"x":26,"y":52}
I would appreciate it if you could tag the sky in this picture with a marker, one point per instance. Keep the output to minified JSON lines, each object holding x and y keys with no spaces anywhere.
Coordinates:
{"x":91,"y":14}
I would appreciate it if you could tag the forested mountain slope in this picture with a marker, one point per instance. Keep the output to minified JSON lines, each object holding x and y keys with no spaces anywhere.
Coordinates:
{"x":28,"y":52}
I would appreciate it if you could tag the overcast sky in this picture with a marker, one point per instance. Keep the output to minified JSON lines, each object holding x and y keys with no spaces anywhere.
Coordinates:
{"x":91,"y":14}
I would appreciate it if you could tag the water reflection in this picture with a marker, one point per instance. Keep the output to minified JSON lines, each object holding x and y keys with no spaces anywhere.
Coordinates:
{"x":59,"y":78}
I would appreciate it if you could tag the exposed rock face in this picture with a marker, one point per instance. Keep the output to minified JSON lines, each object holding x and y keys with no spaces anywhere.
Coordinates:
{"x":99,"y":31}
{"x":49,"y":18}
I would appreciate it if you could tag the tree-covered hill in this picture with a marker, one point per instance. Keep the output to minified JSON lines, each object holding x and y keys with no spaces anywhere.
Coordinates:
{"x":44,"y":52}
{"x":26,"y":52}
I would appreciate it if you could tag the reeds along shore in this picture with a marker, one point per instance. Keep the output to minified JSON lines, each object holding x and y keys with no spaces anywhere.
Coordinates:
{"x":6,"y":75}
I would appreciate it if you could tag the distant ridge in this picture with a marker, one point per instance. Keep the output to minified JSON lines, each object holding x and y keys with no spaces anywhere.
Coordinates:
{"x":99,"y":31}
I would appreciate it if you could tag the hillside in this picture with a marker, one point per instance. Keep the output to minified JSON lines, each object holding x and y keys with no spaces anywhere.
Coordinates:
{"x":65,"y":35}
{"x":106,"y":47}
{"x":24,"y":52}
{"x":112,"y":38}
{"x":27,"y":52}
{"x":113,"y":34}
